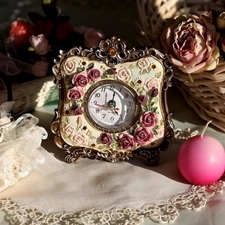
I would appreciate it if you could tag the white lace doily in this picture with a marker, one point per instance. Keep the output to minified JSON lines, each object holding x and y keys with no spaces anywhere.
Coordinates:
{"x":194,"y":198}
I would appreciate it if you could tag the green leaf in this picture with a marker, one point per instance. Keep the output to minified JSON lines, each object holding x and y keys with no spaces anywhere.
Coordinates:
{"x":90,"y":66}
{"x":153,"y":109}
{"x":80,"y":69}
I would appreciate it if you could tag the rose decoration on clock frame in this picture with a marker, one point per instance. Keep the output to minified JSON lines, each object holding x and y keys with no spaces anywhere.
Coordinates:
{"x":113,"y":102}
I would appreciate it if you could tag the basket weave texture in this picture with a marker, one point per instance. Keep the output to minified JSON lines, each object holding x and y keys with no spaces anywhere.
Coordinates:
{"x":30,"y":94}
{"x":205,"y":93}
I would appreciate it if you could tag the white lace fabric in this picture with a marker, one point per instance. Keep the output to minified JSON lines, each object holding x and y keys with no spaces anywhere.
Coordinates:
{"x":94,"y":192}
{"x":20,"y":148}
{"x":194,"y":198}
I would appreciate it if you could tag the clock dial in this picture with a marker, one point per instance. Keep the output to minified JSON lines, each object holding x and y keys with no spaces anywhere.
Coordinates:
{"x":111,"y":106}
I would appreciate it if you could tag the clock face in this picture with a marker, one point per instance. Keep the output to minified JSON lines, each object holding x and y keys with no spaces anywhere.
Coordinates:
{"x":111,"y":106}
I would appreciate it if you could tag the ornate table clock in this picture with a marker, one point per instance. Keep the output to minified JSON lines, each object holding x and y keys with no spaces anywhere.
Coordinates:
{"x":112,"y":102}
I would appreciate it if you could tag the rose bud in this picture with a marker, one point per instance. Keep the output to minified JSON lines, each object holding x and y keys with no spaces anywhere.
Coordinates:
{"x":223,"y":42}
{"x":39,"y":44}
{"x":220,"y":21}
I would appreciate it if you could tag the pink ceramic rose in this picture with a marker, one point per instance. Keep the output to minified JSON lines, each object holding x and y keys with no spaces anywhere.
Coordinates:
{"x":149,"y":119}
{"x":151,"y":83}
{"x":70,"y":66}
{"x":80,"y":79}
{"x":143,"y":63}
{"x":79,"y":138}
{"x":191,"y":43}
{"x":124,"y":73}
{"x":94,"y":74}
{"x":126,"y":141}
{"x":106,"y":139}
{"x":143,"y":136}
{"x":68,"y":129}
{"x":75,"y":93}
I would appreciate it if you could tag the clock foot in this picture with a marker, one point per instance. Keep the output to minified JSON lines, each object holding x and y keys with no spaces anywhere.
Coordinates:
{"x":152,"y":157}
{"x":72,"y":155}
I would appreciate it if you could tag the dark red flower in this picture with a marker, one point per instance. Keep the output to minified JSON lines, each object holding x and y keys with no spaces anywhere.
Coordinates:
{"x":142,"y":99}
{"x":43,"y":27}
{"x":106,"y":139}
{"x":78,"y":111}
{"x":155,"y":92}
{"x":63,"y":31}
{"x":22,"y":30}
{"x":94,"y":74}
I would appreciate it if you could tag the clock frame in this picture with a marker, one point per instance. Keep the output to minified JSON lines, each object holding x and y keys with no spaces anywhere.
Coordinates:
{"x":145,"y":72}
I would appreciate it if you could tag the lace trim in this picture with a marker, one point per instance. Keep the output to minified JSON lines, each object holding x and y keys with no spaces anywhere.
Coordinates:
{"x":185,"y":134}
{"x":194,"y":198}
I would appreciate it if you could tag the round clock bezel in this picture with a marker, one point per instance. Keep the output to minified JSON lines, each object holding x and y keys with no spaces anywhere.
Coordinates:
{"x":123,"y":127}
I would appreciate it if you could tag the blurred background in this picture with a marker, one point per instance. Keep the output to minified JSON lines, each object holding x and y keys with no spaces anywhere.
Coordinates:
{"x":113,"y":17}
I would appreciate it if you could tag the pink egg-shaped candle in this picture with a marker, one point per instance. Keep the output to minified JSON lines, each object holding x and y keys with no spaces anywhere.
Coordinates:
{"x":201,"y":159}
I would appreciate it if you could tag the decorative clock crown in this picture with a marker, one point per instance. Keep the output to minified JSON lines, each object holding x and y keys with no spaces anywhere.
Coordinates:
{"x":112,"y":51}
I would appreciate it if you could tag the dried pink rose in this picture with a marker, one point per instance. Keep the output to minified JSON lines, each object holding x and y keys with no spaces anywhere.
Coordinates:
{"x":191,"y":43}
{"x":40,"y":68}
{"x":40,"y":44}
{"x":91,"y":36}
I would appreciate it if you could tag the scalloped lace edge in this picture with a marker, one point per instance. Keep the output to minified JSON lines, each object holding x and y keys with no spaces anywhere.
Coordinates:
{"x":194,"y":198}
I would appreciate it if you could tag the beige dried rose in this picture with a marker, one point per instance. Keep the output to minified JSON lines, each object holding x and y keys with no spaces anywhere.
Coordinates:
{"x":191,"y":43}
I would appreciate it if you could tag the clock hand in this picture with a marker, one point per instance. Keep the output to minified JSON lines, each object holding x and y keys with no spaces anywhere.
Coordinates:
{"x":105,"y":106}
{"x":106,"y":97}
{"x":115,"y":111}
{"x":113,"y":95}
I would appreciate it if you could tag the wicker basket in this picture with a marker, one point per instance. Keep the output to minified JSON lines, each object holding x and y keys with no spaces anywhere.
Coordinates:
{"x":206,"y":93}
{"x":26,"y":95}
{"x":29,"y":95}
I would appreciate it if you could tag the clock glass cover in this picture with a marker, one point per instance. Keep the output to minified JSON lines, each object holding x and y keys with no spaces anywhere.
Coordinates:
{"x":111,"y":106}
